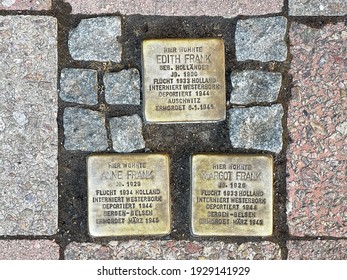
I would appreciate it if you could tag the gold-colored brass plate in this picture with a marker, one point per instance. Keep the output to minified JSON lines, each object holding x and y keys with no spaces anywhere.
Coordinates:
{"x":183,"y":80}
{"x":232,"y":195}
{"x":128,"y":194}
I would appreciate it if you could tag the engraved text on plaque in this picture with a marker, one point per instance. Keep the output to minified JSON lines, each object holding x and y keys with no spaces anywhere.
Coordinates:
{"x":128,"y":194}
{"x":232,"y":195}
{"x":183,"y":80}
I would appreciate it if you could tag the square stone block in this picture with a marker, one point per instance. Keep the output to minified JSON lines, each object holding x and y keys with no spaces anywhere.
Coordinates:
{"x":126,"y":133}
{"x":97,"y":39}
{"x":261,"y":39}
{"x":254,"y":86}
{"x":257,"y":127}
{"x":84,"y":130}
{"x":79,"y":86}
{"x":122,"y":87}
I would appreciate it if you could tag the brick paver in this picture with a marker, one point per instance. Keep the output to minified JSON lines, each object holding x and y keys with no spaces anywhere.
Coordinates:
{"x":317,"y":7}
{"x":25,"y":5}
{"x":28,"y":127}
{"x":227,"y":8}
{"x":28,"y":250}
{"x":317,"y":250}
{"x":172,"y":250}
{"x":317,"y":156}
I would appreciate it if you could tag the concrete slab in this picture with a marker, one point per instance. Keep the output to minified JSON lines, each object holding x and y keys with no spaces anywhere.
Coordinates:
{"x":28,"y":126}
{"x":226,"y":8}
{"x":25,"y":5}
{"x":173,"y":250}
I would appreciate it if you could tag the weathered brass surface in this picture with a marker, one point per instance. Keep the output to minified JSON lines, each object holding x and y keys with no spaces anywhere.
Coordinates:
{"x":128,"y":194}
{"x":183,"y":80}
{"x":231,"y":195}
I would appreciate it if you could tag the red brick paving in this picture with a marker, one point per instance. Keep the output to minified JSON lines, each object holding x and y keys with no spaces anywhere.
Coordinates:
{"x":317,"y":158}
{"x":317,"y":250}
{"x":28,"y":250}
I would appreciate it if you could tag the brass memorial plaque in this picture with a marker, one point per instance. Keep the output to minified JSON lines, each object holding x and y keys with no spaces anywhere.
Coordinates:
{"x":183,"y":80}
{"x":128,"y":194}
{"x":232,"y":195}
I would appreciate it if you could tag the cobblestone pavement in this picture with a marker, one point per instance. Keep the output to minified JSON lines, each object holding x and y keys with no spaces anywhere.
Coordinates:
{"x":70,"y":86}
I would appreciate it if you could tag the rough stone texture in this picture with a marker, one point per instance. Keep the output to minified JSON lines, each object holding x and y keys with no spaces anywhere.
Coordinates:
{"x":172,"y":250}
{"x":25,"y":5}
{"x":254,"y":86}
{"x":317,"y":156}
{"x":79,"y":86}
{"x":126,"y":133}
{"x":317,"y":7}
{"x":123,"y":87}
{"x":317,"y":250}
{"x":28,"y":250}
{"x":28,"y":127}
{"x":84,"y":130}
{"x":96,"y":39}
{"x":261,"y":39}
{"x":227,"y":8}
{"x":257,"y":128}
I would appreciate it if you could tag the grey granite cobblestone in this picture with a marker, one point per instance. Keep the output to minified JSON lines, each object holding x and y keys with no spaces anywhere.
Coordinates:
{"x":122,"y":87}
{"x":84,"y":130}
{"x":261,"y":39}
{"x":257,"y":128}
{"x":254,"y":86}
{"x":96,"y":39}
{"x":79,"y":86}
{"x":126,"y":133}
